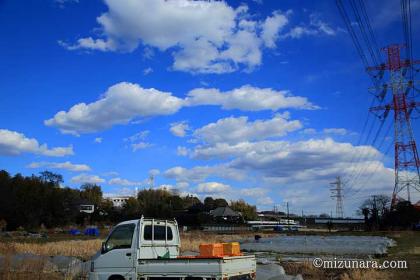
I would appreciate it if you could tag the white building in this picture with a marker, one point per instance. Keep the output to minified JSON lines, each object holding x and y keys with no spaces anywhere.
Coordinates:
{"x":118,"y":201}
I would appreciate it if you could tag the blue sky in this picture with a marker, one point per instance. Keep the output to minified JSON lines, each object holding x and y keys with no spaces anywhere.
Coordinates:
{"x":261,"y":100}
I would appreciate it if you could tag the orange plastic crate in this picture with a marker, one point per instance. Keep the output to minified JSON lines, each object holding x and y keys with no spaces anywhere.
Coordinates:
{"x":231,"y":249}
{"x":211,"y":250}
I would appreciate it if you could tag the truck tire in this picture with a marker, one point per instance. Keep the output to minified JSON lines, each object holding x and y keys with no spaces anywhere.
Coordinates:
{"x":116,"y":277}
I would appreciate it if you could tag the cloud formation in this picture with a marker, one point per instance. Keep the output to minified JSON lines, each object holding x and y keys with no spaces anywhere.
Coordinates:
{"x":212,"y":188}
{"x":303,"y":160}
{"x":253,"y":192}
{"x":201,"y":173}
{"x":234,"y":130}
{"x":315,"y":27}
{"x":338,"y":131}
{"x":248,"y":98}
{"x":179,"y":128}
{"x":124,"y":182}
{"x":60,"y":165}
{"x":125,"y":102}
{"x":202,"y":36}
{"x":137,"y":141}
{"x":14,"y":143}
{"x":271,"y":27}
{"x":120,"y":104}
{"x":87,"y":179}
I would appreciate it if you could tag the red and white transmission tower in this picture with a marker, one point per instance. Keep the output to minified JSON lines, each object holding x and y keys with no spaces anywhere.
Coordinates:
{"x":407,"y":175}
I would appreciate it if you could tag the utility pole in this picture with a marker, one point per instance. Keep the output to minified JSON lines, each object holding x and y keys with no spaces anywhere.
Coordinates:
{"x":151,"y":181}
{"x":287,"y":205}
{"x":375,"y":212}
{"x":406,"y":164}
{"x":337,"y":193}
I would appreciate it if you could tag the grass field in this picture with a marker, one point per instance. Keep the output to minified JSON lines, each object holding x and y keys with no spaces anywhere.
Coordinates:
{"x":408,"y":248}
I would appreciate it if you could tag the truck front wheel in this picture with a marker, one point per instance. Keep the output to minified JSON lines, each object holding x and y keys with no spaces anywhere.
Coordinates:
{"x":116,"y":277}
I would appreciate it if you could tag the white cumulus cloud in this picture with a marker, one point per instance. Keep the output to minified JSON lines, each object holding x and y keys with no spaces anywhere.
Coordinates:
{"x":87,"y":179}
{"x":140,"y":146}
{"x":212,"y":188}
{"x":15,"y":143}
{"x":125,"y":102}
{"x":201,"y":173}
{"x":253,"y":192}
{"x":316,"y":27}
{"x":179,"y":128}
{"x":234,"y":130}
{"x":60,"y":165}
{"x":182,"y":151}
{"x":120,"y":104}
{"x":137,"y":141}
{"x":264,"y":201}
{"x":338,"y":131}
{"x":271,"y":27}
{"x":124,"y":182}
{"x":248,"y":98}
{"x":203,"y":36}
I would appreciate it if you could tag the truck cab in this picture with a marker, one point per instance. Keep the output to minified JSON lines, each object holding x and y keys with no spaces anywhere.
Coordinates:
{"x":149,"y":249}
{"x":133,"y":240}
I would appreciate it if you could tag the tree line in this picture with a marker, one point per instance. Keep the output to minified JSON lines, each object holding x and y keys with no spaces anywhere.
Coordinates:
{"x":35,"y":201}
{"x":378,"y":215}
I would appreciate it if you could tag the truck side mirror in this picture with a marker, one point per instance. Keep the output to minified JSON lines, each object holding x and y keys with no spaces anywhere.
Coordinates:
{"x":103,"y":248}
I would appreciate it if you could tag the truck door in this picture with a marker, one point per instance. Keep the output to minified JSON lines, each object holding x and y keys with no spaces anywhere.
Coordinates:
{"x":118,"y":254}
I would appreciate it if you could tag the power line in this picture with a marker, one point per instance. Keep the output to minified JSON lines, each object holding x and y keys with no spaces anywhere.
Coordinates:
{"x":363,"y":31}
{"x":371,"y":153}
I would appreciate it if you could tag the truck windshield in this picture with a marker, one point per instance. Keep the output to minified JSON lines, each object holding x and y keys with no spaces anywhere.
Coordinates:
{"x":120,"y":237}
{"x":159,"y":233}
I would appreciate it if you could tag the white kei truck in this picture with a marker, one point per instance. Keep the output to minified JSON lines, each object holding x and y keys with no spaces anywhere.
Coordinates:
{"x":149,"y":249}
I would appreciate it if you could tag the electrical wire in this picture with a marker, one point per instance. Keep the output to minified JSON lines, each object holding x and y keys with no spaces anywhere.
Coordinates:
{"x":377,"y":162}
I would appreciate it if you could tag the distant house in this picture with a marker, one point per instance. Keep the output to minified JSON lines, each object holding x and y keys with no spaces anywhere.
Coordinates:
{"x":225,"y":214}
{"x":118,"y":201}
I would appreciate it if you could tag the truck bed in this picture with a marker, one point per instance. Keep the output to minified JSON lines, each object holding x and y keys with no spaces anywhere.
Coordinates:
{"x":198,"y":267}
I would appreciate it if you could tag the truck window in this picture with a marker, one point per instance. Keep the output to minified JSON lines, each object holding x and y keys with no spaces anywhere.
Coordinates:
{"x":159,"y":233}
{"x":120,"y":237}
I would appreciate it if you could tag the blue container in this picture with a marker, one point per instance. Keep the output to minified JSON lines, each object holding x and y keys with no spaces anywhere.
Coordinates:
{"x":92,"y":231}
{"x":278,"y":228}
{"x":74,"y":231}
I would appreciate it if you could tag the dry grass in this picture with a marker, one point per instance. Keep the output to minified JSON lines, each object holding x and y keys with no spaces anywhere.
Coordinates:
{"x":309,"y":272}
{"x":415,"y":251}
{"x":306,"y":269}
{"x":366,"y":274}
{"x":40,"y":268}
{"x":83,"y":249}
{"x":30,"y":270}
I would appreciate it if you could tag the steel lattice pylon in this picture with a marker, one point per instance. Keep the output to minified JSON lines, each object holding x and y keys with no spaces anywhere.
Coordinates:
{"x":337,"y":193}
{"x":407,"y":175}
